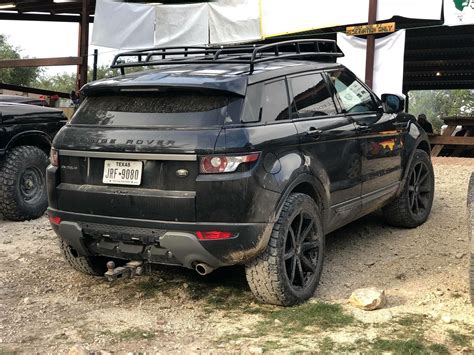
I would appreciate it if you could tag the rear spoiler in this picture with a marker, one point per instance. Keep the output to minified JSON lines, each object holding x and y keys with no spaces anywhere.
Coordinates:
{"x":236,"y":86}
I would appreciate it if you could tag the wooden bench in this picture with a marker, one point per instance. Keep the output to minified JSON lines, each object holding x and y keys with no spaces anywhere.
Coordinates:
{"x":461,"y":143}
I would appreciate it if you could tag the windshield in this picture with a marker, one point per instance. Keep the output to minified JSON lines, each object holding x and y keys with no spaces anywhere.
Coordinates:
{"x":170,"y":109}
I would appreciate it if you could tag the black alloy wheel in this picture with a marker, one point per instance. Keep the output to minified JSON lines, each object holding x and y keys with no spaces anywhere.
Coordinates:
{"x":419,"y":189}
{"x":301,"y":254}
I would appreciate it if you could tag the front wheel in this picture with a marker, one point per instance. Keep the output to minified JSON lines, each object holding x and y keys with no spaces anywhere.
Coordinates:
{"x":289,"y":269}
{"x":413,"y":206}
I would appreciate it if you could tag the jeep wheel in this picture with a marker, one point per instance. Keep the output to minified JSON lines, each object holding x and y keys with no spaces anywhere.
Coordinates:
{"x":289,"y":269}
{"x":89,"y":265}
{"x":413,"y":206}
{"x":23,"y":184}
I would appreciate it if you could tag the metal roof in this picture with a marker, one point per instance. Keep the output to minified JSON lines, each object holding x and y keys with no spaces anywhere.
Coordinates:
{"x":51,"y":10}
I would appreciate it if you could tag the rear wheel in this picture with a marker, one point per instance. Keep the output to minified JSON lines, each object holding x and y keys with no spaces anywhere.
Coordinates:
{"x":23,"y":184}
{"x":89,"y":265}
{"x":413,"y":206}
{"x":288,"y":271}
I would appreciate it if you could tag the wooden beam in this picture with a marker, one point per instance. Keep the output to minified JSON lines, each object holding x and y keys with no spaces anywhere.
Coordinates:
{"x":83,"y":43}
{"x":39,"y":62}
{"x":370,"y":54}
{"x":33,"y":90}
{"x":445,"y":140}
{"x":41,"y":17}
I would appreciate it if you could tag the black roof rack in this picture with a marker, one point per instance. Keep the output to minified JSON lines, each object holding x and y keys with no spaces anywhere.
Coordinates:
{"x":244,"y":54}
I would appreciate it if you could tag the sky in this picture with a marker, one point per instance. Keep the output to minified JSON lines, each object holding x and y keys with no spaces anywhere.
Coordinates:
{"x":50,"y":39}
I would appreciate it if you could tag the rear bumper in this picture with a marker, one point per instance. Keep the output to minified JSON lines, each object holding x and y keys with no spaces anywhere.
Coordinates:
{"x":160,"y":242}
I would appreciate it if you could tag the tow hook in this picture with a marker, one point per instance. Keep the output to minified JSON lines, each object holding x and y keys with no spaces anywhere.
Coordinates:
{"x":129,"y":270}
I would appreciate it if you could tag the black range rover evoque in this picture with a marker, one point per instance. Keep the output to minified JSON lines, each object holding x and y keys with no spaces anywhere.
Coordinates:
{"x":240,"y":155}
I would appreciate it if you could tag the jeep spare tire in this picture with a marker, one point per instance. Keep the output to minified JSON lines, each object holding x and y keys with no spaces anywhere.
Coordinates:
{"x":23,"y":183}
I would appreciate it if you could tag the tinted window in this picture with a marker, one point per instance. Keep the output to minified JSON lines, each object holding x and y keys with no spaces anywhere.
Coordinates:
{"x":352,"y":95}
{"x":275,"y":102}
{"x":253,"y":103}
{"x":168,"y":109}
{"x":311,"y":96}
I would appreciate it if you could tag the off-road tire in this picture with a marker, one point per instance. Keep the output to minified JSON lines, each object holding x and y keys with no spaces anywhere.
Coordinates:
{"x":17,"y":201}
{"x":89,"y":265}
{"x":399,"y":212}
{"x":267,"y":274}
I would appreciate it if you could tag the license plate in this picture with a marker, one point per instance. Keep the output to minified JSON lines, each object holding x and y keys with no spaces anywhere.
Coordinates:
{"x":122,"y":172}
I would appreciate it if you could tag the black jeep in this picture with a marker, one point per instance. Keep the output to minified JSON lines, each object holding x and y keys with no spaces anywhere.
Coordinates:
{"x":241,"y":155}
{"x":26,"y":133}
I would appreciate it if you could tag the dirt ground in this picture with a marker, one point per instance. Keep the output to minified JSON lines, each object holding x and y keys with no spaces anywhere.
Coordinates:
{"x":46,"y":307}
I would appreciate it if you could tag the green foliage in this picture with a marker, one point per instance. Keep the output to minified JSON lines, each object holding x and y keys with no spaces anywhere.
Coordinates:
{"x":458,"y":338}
{"x":15,"y":76}
{"x":323,"y":315}
{"x":437,"y":104}
{"x":401,"y":347}
{"x":65,"y":82}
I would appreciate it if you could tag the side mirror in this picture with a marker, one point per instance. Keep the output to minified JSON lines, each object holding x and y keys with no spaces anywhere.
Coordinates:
{"x":393,"y":103}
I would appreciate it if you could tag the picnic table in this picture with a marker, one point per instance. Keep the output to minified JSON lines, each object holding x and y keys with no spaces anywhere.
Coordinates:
{"x":460,"y":142}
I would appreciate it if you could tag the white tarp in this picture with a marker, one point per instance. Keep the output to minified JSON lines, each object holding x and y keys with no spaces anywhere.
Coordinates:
{"x":232,"y":21}
{"x":123,"y":25}
{"x":389,"y":59}
{"x":182,"y":25}
{"x":283,"y":16}
{"x":458,"y":12}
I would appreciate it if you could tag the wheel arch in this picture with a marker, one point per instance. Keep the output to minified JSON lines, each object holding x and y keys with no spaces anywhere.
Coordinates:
{"x":310,"y":185}
{"x":32,"y":138}
{"x":421,"y":143}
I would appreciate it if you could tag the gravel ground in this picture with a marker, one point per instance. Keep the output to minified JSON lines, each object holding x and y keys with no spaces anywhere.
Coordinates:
{"x":46,"y":307}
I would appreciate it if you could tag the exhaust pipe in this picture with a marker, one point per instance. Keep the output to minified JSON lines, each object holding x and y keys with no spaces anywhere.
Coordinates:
{"x":203,"y":269}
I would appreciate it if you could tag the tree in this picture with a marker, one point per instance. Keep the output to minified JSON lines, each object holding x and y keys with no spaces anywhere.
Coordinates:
{"x":15,"y":76}
{"x":437,"y":104}
{"x":66,"y":82}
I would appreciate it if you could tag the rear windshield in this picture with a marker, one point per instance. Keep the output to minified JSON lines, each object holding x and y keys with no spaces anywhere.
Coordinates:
{"x":160,"y":109}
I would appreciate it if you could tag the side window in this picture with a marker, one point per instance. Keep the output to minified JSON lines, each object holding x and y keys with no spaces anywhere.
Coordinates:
{"x":275,"y":102}
{"x":253,"y":103}
{"x":311,"y":97}
{"x":354,"y":97}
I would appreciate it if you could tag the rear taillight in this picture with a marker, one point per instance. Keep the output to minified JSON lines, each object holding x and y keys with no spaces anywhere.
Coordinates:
{"x":214,"y":235}
{"x":55,"y":220}
{"x":54,"y":157}
{"x":214,"y":164}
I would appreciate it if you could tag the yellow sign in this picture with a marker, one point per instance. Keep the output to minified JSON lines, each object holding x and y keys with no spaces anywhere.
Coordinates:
{"x":371,"y":29}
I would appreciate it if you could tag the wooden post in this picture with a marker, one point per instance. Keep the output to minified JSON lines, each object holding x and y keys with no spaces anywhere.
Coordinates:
{"x":370,"y":55}
{"x":83,"y":44}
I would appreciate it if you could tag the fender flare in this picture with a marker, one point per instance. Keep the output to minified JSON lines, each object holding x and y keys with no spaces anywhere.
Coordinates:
{"x":44,"y":137}
{"x":416,"y":144}
{"x":320,"y":191}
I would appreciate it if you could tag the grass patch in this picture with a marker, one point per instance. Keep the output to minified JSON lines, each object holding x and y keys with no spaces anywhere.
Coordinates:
{"x":129,"y":334}
{"x":323,"y":315}
{"x":224,"y":289}
{"x":458,"y":338}
{"x":411,"y":320}
{"x":439,"y":349}
{"x":400,"y":347}
{"x":410,"y":346}
{"x":271,"y":345}
{"x":326,"y":346}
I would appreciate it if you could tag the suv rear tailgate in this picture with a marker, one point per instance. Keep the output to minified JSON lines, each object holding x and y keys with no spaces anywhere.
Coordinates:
{"x":167,"y":189}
